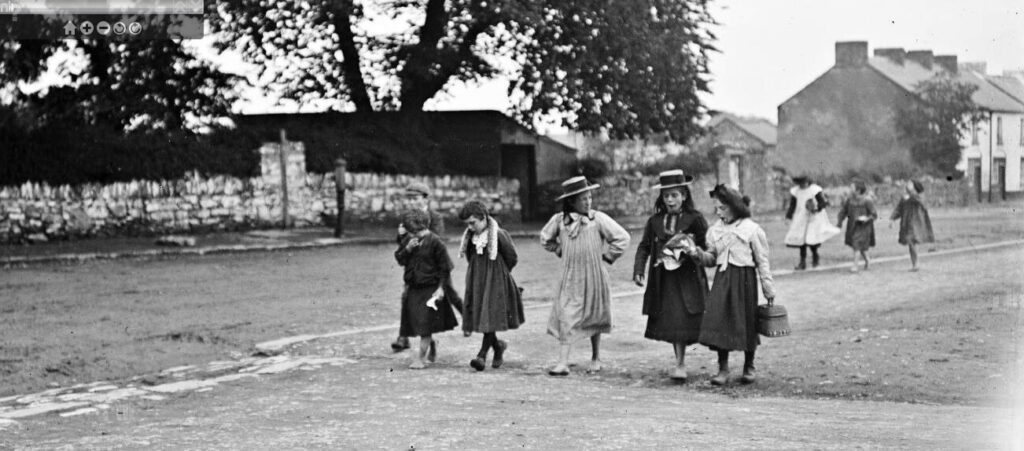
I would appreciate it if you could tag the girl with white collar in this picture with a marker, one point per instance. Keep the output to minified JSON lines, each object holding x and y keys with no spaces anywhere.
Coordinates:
{"x":493,"y":302}
{"x":739,"y":249}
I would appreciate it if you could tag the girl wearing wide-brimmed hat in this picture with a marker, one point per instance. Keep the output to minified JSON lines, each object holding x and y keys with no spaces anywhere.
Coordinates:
{"x":586,"y":240}
{"x":738,"y":247}
{"x":676,"y":286}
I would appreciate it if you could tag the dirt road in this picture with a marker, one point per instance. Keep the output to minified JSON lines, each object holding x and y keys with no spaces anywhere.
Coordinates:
{"x":933,"y":340}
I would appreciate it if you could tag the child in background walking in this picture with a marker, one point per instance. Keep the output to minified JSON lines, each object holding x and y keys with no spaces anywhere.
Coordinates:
{"x":492,"y":299}
{"x":915,"y":225}
{"x":860,"y":231}
{"x":425,"y":309}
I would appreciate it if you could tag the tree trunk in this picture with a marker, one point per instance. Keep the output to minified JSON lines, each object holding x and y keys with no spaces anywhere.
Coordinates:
{"x":353,"y":73}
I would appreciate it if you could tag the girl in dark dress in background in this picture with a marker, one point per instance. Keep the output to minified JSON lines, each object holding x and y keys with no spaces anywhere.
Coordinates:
{"x":492,"y":299}
{"x":676,"y":286}
{"x":425,"y":309}
{"x":915,"y":225}
{"x":860,"y":231}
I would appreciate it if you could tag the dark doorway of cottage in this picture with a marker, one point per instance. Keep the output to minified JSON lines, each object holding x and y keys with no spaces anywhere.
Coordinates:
{"x":518,"y":161}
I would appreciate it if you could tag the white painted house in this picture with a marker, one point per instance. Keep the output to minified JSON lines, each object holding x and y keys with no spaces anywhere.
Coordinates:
{"x":994,"y":148}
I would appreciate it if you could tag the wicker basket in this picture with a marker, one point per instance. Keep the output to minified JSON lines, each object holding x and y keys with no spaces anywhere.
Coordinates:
{"x":772,"y":320}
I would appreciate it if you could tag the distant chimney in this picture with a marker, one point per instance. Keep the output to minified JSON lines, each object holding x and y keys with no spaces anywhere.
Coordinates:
{"x":947,"y":62}
{"x":979,"y":67}
{"x":894,"y":54}
{"x":851,"y":53}
{"x":922,"y":57}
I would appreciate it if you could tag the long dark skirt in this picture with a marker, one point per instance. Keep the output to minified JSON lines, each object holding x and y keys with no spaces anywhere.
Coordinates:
{"x":418,"y":320}
{"x":668,"y":318}
{"x":730,"y":321}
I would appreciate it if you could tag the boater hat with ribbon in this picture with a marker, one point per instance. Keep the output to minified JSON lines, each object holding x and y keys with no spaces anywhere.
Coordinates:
{"x":576,"y":185}
{"x":672,"y":179}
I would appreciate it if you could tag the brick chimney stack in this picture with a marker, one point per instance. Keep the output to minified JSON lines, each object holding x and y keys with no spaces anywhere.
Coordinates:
{"x":922,"y":57}
{"x":895,"y":54}
{"x":947,"y":62}
{"x":851,"y":53}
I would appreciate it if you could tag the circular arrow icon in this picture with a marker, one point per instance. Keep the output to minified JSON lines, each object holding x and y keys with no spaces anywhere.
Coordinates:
{"x":135,"y":28}
{"x":120,"y":28}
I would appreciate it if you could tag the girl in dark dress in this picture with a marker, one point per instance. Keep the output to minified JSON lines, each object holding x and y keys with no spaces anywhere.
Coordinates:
{"x":738,"y":248}
{"x":915,"y":225}
{"x":492,"y":299}
{"x":425,"y":309}
{"x":860,"y":231}
{"x":676,"y":286}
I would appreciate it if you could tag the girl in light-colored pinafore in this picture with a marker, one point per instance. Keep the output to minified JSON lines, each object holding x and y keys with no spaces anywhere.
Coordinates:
{"x":586,"y":240}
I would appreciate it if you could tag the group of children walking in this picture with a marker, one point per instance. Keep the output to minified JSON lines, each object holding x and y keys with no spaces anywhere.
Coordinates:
{"x":676,"y":246}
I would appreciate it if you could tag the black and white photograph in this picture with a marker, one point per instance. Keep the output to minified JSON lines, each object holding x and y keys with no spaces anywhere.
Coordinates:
{"x":511,"y":224}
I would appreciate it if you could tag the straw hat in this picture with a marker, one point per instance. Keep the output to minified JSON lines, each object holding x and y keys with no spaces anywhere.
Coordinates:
{"x":576,"y":185}
{"x":672,"y":179}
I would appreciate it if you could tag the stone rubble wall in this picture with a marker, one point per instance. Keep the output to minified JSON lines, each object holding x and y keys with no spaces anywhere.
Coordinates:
{"x":197,"y":204}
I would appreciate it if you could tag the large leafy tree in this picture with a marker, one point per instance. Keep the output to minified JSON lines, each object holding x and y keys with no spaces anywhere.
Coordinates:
{"x":628,"y":68}
{"x":144,"y":85}
{"x":122,"y":110}
{"x":934,"y":127}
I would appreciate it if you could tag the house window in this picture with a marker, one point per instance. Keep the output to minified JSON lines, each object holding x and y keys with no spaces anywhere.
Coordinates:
{"x":999,"y":131}
{"x":974,"y":133}
{"x":1022,"y":131}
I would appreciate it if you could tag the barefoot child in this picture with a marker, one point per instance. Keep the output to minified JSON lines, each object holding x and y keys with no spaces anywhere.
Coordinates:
{"x":425,"y":309}
{"x":492,"y":300}
{"x":915,"y":225}
{"x":587,"y":241}
{"x":676,"y":286}
{"x":860,"y":231}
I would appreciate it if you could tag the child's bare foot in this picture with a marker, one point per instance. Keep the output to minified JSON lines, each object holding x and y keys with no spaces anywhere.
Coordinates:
{"x":678,"y":374}
{"x":559,"y":370}
{"x":595,"y":366}
{"x":853,"y":268}
{"x":915,"y":269}
{"x":417,"y":365}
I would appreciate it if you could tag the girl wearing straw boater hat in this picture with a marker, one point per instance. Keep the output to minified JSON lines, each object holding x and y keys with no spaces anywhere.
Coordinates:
{"x":676,"y":285}
{"x":738,"y":247}
{"x":586,"y":240}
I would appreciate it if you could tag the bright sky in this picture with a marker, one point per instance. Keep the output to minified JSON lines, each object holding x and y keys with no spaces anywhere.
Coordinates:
{"x":770,"y":49}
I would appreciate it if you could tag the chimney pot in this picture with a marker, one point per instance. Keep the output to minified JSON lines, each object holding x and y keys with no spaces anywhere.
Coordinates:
{"x":947,"y":62}
{"x":895,"y":54}
{"x":922,"y":57}
{"x":851,"y":53}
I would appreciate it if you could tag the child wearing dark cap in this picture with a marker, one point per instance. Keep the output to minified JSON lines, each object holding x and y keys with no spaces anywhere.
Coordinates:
{"x":915,"y":225}
{"x":427,"y":267}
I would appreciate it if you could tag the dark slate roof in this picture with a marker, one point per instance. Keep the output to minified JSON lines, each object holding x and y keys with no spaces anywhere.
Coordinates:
{"x":910,"y":73}
{"x":761,"y":129}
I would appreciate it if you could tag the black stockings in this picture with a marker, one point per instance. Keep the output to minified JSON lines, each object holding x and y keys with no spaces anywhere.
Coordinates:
{"x":723,"y":360}
{"x":490,"y":340}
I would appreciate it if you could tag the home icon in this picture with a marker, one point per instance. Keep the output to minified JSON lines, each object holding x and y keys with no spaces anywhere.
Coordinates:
{"x":69,"y":29}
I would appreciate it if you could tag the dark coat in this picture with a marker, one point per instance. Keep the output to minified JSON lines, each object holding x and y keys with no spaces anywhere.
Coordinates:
{"x":915,"y":225}
{"x":651,"y":245}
